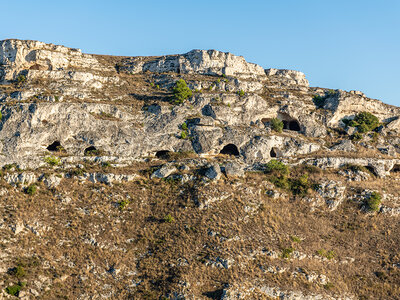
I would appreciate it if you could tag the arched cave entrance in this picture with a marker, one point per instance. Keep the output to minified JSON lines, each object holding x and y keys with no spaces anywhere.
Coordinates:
{"x":273,"y":152}
{"x":291,"y":125}
{"x":91,"y":150}
{"x":230,"y":149}
{"x":395,"y":169}
{"x":294,"y":125}
{"x":55,"y":147}
{"x":162,"y":154}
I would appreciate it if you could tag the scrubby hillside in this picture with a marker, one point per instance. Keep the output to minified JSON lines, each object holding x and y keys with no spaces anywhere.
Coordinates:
{"x":193,"y":176}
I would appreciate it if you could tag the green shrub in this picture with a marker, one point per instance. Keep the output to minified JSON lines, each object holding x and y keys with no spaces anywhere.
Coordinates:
{"x":123,"y":204}
{"x":1,"y":116}
{"x":13,"y":290}
{"x":319,"y":101}
{"x":241,"y":93}
{"x":374,"y":201}
{"x":295,"y":239}
{"x":30,"y":190}
{"x":364,"y":122}
{"x":299,"y":186}
{"x":181,"y":92}
{"x":184,"y":135}
{"x":18,"y":271}
{"x":184,"y":126}
{"x":357,"y":136}
{"x":328,"y":254}
{"x":286,"y":252}
{"x":362,"y":128}
{"x":169,"y":219}
{"x":352,"y":123}
{"x":276,"y":124}
{"x":276,"y":166}
{"x":281,"y":182}
{"x":368,"y":119}
{"x":21,"y":79}
{"x":52,"y":160}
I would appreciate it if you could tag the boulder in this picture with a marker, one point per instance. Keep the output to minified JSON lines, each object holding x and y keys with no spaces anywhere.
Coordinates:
{"x":233,"y":169}
{"x":164,"y":171}
{"x":213,"y":172}
{"x":344,"y":145}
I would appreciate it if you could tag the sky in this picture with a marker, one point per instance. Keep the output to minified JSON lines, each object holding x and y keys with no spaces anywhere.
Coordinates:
{"x":348,"y":45}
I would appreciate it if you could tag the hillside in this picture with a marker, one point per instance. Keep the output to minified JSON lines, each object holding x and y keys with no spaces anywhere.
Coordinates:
{"x":192,"y":176}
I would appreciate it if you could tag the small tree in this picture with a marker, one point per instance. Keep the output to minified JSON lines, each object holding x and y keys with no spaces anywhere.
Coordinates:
{"x":367,"y":120}
{"x":181,"y":91}
{"x":276,"y":166}
{"x":30,"y":190}
{"x":276,"y":124}
{"x":374,"y":201}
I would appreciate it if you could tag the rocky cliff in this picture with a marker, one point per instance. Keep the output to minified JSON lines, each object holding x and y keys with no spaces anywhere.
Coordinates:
{"x":137,"y":195}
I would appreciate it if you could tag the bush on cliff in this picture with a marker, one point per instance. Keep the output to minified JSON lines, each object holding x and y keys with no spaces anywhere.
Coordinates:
{"x":276,"y":166}
{"x":364,"y":121}
{"x":276,"y":124}
{"x":374,"y":201}
{"x":181,"y":91}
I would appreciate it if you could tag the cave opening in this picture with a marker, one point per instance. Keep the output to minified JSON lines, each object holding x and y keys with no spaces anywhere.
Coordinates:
{"x":395,"y":169}
{"x":292,"y":125}
{"x":162,"y":154}
{"x":230,"y":149}
{"x":55,"y":147}
{"x":273,"y":153}
{"x":91,"y":150}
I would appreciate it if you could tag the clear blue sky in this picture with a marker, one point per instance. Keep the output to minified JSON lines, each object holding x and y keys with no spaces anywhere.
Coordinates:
{"x":351,"y":45}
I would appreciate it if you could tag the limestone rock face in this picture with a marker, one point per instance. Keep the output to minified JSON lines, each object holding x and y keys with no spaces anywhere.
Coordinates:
{"x":17,"y":56}
{"x":210,"y":62}
{"x":290,"y":77}
{"x":345,"y":145}
{"x":121,"y":107}
{"x":346,"y":104}
{"x":155,"y":189}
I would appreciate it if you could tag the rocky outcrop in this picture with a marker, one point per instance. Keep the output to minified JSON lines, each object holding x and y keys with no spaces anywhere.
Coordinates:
{"x":346,"y":105}
{"x":241,"y":292}
{"x":211,"y":62}
{"x":60,"y":89}
{"x":17,"y":56}
{"x":282,"y":77}
{"x":380,"y":167}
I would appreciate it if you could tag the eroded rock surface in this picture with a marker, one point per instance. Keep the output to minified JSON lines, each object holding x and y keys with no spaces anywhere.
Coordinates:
{"x":255,"y":186}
